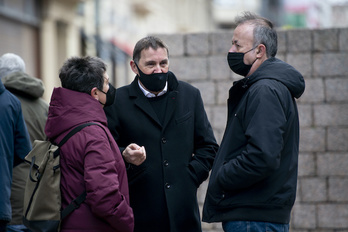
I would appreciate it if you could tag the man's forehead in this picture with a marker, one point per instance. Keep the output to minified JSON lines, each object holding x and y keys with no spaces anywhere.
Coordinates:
{"x":151,"y":50}
{"x":106,"y":76}
{"x":242,"y":32}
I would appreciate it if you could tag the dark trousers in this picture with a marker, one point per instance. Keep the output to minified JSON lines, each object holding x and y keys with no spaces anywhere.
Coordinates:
{"x":3,"y":225}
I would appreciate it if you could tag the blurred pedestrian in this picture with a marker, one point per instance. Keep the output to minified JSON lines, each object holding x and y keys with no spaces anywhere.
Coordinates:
{"x":166,"y":140}
{"x":14,"y":146}
{"x":90,"y":160}
{"x":253,"y":181}
{"x":29,"y":91}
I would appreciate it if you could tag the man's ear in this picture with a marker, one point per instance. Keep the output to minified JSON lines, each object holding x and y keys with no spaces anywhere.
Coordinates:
{"x":94,"y":93}
{"x":134,"y":67}
{"x":261,"y":51}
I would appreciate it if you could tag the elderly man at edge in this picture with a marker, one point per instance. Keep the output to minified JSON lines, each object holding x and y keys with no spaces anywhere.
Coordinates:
{"x":14,"y":146}
{"x":29,"y":91}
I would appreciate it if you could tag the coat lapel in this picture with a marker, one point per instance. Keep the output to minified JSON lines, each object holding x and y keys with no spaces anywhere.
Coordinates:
{"x":142,"y":102}
{"x":145,"y":106}
{"x":171,"y":105}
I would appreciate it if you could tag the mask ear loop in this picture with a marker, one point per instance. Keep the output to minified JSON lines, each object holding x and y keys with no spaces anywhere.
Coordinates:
{"x":140,"y":72}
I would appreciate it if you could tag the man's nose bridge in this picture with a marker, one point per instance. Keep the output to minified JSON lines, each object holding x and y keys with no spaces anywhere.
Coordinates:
{"x":158,"y":68}
{"x":232,"y":49}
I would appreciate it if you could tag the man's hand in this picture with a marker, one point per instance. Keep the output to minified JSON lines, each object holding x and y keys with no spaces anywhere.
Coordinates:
{"x":134,"y":154}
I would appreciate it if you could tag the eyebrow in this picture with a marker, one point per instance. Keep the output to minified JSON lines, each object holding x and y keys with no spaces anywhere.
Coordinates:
{"x":153,"y":62}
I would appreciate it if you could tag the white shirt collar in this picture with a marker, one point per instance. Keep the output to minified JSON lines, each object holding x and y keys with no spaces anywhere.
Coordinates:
{"x":149,"y":94}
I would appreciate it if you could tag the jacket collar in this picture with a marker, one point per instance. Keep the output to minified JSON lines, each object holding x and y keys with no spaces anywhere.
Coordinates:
{"x":141,"y":101}
{"x":135,"y":90}
{"x":2,"y":87}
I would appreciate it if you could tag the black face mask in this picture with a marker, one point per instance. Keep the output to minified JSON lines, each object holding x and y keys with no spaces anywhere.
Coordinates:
{"x":236,"y":62}
{"x":110,"y":95}
{"x":154,"y":82}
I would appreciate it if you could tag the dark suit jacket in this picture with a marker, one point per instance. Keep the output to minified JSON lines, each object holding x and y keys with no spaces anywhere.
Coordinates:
{"x":180,"y":154}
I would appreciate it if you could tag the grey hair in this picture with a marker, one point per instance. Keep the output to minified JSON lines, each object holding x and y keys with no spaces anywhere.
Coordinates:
{"x":264,"y":32}
{"x":10,"y":63}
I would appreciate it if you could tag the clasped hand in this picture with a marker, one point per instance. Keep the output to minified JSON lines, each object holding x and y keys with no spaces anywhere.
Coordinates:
{"x":134,"y":154}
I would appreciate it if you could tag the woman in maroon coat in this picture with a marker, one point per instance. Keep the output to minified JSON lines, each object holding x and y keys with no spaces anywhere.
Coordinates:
{"x":90,"y":160}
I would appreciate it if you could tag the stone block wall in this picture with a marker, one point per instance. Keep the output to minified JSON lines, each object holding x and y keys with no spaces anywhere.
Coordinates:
{"x":322,"y":57}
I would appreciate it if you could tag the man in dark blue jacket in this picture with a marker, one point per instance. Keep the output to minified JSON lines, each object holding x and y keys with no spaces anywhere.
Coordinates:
{"x":14,"y":146}
{"x":254,"y":176}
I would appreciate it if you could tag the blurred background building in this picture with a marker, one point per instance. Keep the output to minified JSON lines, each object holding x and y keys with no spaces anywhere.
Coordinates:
{"x":46,"y":32}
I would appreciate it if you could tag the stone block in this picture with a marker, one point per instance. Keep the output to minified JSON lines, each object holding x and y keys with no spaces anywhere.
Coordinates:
{"x":306,"y":165}
{"x":333,"y":216}
{"x":313,"y":189}
{"x":219,"y":117}
{"x":337,"y":139}
{"x":330,"y":64}
{"x":282,"y":41}
{"x":207,"y":91}
{"x":331,"y":115}
{"x":300,"y":230}
{"x":197,"y":44}
{"x":298,"y":199}
{"x":218,"y":68}
{"x":312,"y":139}
{"x":343,"y":42}
{"x":175,"y":43}
{"x":281,"y":56}
{"x":302,"y":62}
{"x":202,"y":190}
{"x":338,"y":189}
{"x":325,"y":40}
{"x":299,"y":41}
{"x":222,"y":88}
{"x":332,"y":164}
{"x":314,"y":91}
{"x":304,"y":216}
{"x":221,"y":42}
{"x":305,"y":115}
{"x":219,"y":133}
{"x":212,"y":227}
{"x":189,"y":68}
{"x":208,"y":110}
{"x":336,"y":89}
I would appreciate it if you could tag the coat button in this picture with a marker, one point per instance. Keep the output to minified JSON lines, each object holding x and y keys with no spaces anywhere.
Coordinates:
{"x":165,"y":163}
{"x":167,"y":186}
{"x":164,"y":140}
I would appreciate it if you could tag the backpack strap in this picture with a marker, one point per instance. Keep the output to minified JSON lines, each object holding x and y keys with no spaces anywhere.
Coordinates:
{"x":70,"y":134}
{"x":74,"y":204}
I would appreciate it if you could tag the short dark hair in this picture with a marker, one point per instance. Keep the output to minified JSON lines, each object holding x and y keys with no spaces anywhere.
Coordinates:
{"x":82,"y":74}
{"x":146,"y":43}
{"x":264,"y":32}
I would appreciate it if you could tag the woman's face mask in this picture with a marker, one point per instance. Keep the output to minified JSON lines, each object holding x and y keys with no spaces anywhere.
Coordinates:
{"x":110,"y":96}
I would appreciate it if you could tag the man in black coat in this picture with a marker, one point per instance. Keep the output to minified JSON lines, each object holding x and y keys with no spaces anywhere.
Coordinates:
{"x":166,"y":140}
{"x":253,"y":181}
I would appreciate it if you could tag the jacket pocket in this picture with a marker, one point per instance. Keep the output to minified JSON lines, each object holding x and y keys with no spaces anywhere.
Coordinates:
{"x":183,"y":118}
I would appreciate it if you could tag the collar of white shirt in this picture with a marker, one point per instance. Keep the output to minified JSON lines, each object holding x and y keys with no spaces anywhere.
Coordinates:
{"x":149,"y":94}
